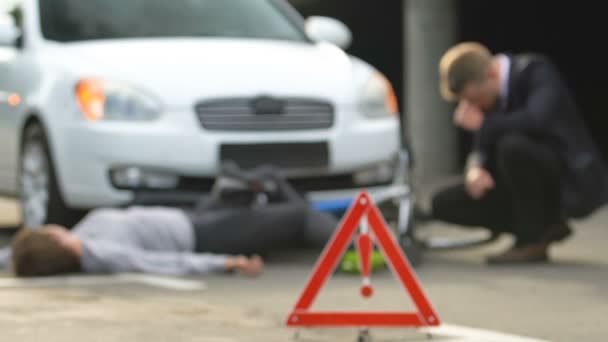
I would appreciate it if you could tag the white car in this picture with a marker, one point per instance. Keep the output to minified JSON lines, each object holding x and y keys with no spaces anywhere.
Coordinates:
{"x":113,"y":102}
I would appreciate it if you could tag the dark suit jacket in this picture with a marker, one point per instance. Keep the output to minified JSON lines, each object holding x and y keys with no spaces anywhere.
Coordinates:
{"x":540,"y":105}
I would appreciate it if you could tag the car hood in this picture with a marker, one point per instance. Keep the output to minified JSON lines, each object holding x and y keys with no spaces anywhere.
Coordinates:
{"x":181,"y":72}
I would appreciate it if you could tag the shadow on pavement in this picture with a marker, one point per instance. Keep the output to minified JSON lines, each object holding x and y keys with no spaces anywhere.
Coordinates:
{"x":469,"y":263}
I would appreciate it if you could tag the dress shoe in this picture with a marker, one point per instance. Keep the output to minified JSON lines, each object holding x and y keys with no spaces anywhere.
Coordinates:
{"x":531,"y":253}
{"x":557,"y":233}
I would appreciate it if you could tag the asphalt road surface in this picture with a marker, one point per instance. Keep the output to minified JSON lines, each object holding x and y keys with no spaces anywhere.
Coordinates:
{"x":562,"y":301}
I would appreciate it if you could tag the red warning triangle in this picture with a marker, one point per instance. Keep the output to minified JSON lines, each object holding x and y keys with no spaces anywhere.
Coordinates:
{"x":361,"y":208}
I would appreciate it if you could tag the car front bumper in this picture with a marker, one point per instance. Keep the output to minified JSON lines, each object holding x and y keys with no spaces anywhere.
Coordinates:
{"x":86,"y":152}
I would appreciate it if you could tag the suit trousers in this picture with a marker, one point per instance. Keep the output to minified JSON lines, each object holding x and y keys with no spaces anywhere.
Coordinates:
{"x":247,"y":230}
{"x":525,"y":201}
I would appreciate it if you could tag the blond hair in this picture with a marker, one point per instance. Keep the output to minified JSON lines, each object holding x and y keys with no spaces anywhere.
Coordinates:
{"x":462,"y":64}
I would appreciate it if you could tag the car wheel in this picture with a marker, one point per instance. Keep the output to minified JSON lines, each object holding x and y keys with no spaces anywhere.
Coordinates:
{"x":40,"y":198}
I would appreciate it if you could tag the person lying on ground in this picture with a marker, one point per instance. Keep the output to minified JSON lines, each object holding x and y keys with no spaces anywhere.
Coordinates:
{"x":214,"y":237}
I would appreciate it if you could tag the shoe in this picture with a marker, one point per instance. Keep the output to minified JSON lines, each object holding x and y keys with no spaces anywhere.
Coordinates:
{"x":532,"y":253}
{"x":557,"y":233}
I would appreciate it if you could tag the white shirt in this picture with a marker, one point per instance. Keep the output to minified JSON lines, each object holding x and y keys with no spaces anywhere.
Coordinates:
{"x":504,"y":74}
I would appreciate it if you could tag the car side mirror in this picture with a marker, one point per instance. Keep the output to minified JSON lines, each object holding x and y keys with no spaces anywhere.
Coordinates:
{"x":330,"y":30}
{"x":9,"y":32}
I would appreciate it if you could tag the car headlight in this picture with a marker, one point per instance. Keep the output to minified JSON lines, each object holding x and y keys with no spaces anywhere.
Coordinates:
{"x":101,"y":100}
{"x":379,"y":99}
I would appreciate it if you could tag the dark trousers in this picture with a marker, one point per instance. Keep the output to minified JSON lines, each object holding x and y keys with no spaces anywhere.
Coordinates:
{"x":525,"y":201}
{"x":287,"y":222}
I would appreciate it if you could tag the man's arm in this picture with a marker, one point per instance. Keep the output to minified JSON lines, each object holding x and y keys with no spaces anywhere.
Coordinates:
{"x":474,"y":159}
{"x":108,"y":257}
{"x":543,"y":103}
{"x":478,"y":180}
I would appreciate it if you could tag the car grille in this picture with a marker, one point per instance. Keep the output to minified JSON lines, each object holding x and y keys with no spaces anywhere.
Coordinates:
{"x":252,"y":115}
{"x":286,"y":156}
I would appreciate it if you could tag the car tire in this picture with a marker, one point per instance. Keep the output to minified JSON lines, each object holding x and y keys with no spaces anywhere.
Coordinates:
{"x":40,"y":197}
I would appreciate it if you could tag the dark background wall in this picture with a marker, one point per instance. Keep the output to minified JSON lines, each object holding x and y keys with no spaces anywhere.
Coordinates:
{"x":571,"y":33}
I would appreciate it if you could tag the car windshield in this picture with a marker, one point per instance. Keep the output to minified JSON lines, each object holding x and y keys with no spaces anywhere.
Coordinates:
{"x":77,"y":20}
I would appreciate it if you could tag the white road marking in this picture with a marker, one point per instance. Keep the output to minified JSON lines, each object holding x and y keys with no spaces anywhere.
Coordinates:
{"x":176,"y":284}
{"x":165,"y":282}
{"x":443,"y":333}
{"x":461,"y":333}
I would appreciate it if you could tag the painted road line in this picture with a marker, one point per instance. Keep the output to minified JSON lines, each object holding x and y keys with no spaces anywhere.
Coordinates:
{"x":176,"y":284}
{"x":165,"y":282}
{"x":462,"y":333}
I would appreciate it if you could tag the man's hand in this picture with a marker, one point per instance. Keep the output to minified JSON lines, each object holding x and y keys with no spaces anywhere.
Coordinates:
{"x":478,"y":182}
{"x":468,"y":116}
{"x":249,"y":266}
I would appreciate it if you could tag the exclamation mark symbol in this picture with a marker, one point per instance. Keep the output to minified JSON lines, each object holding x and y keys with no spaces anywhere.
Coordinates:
{"x":365,"y":245}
